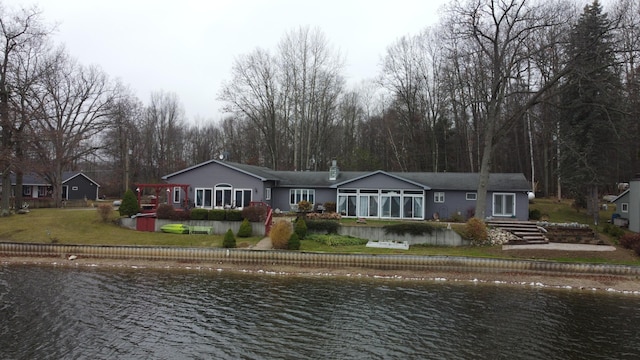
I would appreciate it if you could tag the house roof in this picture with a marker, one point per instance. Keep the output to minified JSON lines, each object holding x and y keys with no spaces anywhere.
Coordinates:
{"x":259,"y":172}
{"x":34,"y":179}
{"x":620,"y":196}
{"x":426,"y":180}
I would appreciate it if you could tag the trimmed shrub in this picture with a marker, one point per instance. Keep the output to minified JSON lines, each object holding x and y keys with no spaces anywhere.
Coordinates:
{"x":534,"y":214}
{"x":229,"y":240}
{"x":476,"y":231}
{"x":233,"y":215}
{"x":280,"y":234}
{"x":165,"y":211}
{"x":337,"y":240}
{"x":105,"y":211}
{"x":217,"y":215}
{"x":304,"y":206}
{"x":255,"y":213}
{"x":415,"y":229}
{"x":129,"y":205}
{"x":326,"y":226}
{"x":330,"y":206}
{"x":199,"y":214}
{"x":245,"y":229}
{"x":294,"y":242}
{"x":300,"y":228}
{"x":181,"y":215}
{"x":629,"y":240}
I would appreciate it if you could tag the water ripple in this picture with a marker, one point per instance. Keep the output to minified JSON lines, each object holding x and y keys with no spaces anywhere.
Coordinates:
{"x":50,"y":313}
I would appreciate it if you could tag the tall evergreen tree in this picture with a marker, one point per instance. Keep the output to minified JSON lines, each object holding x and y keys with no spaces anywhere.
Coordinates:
{"x":590,"y":121}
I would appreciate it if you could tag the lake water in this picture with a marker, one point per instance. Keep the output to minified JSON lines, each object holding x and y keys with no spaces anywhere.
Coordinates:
{"x":100,"y":313}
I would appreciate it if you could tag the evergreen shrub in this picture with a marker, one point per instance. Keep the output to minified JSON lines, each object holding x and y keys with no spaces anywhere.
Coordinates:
{"x":229,"y":240}
{"x":294,"y":242}
{"x":129,"y":205}
{"x":300,"y":228}
{"x":245,"y":229}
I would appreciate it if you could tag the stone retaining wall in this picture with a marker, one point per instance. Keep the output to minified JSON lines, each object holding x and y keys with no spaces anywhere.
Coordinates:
{"x":320,"y":260}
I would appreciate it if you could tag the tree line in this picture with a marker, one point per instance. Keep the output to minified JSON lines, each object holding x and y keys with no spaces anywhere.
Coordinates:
{"x":546,"y":88}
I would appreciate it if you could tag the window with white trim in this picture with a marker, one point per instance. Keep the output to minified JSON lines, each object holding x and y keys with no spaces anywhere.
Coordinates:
{"x":267,"y":194}
{"x":242,"y":197}
{"x":471,"y":196}
{"x":204,"y":198}
{"x":176,"y":195}
{"x":297,"y":195}
{"x":504,"y":204}
{"x":223,"y":196}
{"x":624,"y":207}
{"x":438,"y":197}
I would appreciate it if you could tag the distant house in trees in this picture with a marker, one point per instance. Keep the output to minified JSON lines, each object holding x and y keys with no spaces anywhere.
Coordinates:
{"x":628,"y":204}
{"x":75,"y":186}
{"x":362,"y":194}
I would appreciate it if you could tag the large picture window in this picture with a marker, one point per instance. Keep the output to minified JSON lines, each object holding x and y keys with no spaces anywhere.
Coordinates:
{"x":504,"y":204}
{"x":297,"y":195}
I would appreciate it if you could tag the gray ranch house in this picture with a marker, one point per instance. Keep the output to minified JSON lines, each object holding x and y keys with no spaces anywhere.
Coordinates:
{"x":75,"y":186}
{"x":377,"y":194}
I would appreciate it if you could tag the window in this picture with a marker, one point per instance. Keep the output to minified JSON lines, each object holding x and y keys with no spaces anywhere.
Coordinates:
{"x":176,"y":195}
{"x":204,"y":198}
{"x":297,"y":195}
{"x":438,"y":197}
{"x":390,"y":204}
{"x":26,"y":190}
{"x":242,"y":197}
{"x":624,"y":207}
{"x":223,"y":196}
{"x":267,"y":194}
{"x":412,"y":207}
{"x":472,"y":196}
{"x":504,"y":204}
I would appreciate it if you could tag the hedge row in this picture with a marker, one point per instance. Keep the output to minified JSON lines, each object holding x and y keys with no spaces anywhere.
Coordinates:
{"x":253,"y":214}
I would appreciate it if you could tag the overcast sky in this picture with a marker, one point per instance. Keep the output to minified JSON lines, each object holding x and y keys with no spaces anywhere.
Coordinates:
{"x":188,"y":47}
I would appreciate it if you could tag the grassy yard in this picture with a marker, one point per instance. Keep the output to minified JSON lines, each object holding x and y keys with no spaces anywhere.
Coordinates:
{"x":84,"y":226}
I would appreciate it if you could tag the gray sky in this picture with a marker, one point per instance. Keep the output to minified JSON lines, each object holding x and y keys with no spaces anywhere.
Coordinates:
{"x":188,"y":46}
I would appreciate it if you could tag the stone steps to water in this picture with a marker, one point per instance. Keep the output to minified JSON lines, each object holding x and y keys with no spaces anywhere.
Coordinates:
{"x":526,"y":232}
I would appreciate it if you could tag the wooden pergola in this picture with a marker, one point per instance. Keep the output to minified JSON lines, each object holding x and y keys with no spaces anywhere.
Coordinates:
{"x":160,"y":189}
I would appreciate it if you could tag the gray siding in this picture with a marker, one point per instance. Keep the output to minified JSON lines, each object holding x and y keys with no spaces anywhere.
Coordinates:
{"x":455,"y":202}
{"x":214,"y":174}
{"x":380,"y":181}
{"x":281,"y":197}
{"x":84,"y":188}
{"x":634,"y":205}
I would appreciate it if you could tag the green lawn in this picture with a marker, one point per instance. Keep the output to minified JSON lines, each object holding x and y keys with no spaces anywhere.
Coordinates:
{"x":84,"y":226}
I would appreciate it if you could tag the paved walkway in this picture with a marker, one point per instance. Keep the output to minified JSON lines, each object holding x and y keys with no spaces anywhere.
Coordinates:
{"x":560,"y":246}
{"x":264,"y":244}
